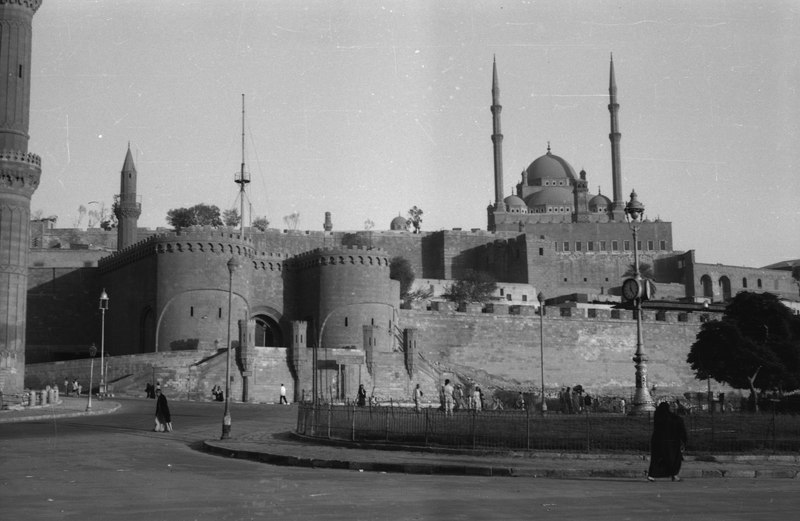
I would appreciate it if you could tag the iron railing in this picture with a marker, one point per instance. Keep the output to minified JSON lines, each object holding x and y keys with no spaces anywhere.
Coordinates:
{"x":528,"y":430}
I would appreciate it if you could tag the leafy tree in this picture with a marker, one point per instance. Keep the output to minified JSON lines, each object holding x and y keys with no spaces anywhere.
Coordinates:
{"x":400,"y":269}
{"x":231,"y":218}
{"x":292,"y":220}
{"x":474,"y":286}
{"x":755,"y":345}
{"x":198,"y":215}
{"x":110,"y":221}
{"x":260,"y":223}
{"x":645,"y":271}
{"x":415,"y":218}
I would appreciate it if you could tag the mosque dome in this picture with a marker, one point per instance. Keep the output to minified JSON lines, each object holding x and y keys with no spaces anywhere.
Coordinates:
{"x":599,"y":203}
{"x":552,"y":168}
{"x":551,"y":196}
{"x":399,"y":224}
{"x":513,"y":201}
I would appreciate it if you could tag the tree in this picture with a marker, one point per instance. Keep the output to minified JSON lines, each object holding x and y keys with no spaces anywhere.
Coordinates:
{"x":645,"y":271}
{"x":260,"y":223}
{"x":400,"y":269}
{"x":231,"y":218}
{"x":292,"y":220}
{"x":474,"y":286}
{"x":415,"y":218}
{"x":198,"y":215}
{"x":755,"y":345}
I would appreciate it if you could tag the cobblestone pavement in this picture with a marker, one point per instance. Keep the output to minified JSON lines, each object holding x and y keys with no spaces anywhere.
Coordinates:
{"x":275,"y":443}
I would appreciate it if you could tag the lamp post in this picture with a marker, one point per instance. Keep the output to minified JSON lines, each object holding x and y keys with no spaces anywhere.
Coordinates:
{"x":103,"y":309}
{"x":233,"y":264}
{"x":92,"y":352}
{"x":540,"y":298}
{"x":642,"y":402}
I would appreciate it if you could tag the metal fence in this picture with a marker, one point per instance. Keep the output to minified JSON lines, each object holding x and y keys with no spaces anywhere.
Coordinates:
{"x":527,"y":430}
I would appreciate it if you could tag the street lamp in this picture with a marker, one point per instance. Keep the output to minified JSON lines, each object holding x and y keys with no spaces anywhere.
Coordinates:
{"x":103,"y":309}
{"x":92,"y":352}
{"x":540,"y":298}
{"x":233,"y":264}
{"x":642,"y":402}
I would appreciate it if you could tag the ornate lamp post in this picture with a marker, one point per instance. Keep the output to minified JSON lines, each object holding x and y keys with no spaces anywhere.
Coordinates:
{"x":103,"y":309}
{"x":634,"y":289}
{"x":92,"y":352}
{"x":233,"y":264}
{"x":540,"y":298}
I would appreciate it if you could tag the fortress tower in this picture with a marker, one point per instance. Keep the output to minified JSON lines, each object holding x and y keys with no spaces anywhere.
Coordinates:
{"x":19,"y":178}
{"x":127,"y":209}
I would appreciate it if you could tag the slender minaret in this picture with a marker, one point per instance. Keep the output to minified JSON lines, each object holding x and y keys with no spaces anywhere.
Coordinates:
{"x":20,"y":171}
{"x":497,"y":140}
{"x":128,"y":209}
{"x":618,"y":205}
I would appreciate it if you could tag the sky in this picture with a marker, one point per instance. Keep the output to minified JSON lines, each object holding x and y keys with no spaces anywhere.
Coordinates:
{"x":365,"y":109}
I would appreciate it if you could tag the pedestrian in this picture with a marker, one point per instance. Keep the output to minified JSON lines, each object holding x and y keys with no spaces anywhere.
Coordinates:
{"x":283,"y":395}
{"x":458,"y":398}
{"x":362,"y":395}
{"x":417,"y":397}
{"x":149,"y":390}
{"x":666,"y":444}
{"x":622,"y":405}
{"x":448,"y":397}
{"x":66,"y":386}
{"x":163,"y":417}
{"x":75,"y":387}
{"x":520,"y":403}
{"x":568,"y":400}
{"x":477,"y":399}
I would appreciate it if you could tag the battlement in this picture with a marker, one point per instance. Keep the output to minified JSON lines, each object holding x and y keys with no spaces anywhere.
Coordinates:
{"x":564,"y":312}
{"x":19,"y":156}
{"x":342,"y":255}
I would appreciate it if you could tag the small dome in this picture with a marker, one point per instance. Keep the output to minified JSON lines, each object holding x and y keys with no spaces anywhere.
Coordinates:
{"x":399,"y":224}
{"x":512,"y":201}
{"x":551,"y":196}
{"x":550,"y":167}
{"x":599,"y":201}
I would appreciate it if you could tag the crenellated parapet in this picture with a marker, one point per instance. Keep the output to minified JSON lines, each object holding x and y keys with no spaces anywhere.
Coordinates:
{"x":194,"y":240}
{"x":33,"y":5}
{"x":344,"y":256}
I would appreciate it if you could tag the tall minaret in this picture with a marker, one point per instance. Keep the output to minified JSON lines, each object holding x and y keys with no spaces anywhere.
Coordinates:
{"x":128,"y":209}
{"x":497,"y":140}
{"x":19,"y":177}
{"x":618,"y":205}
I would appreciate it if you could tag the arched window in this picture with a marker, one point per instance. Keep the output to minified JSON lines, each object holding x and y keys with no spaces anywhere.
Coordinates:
{"x":708,"y":288}
{"x":744,"y":282}
{"x":725,"y":287}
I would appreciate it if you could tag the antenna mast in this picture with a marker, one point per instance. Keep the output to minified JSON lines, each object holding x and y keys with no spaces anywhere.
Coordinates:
{"x":243,"y":178}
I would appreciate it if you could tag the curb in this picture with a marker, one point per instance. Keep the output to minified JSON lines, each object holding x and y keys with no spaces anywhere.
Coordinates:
{"x":49,"y":414}
{"x":482,"y":470}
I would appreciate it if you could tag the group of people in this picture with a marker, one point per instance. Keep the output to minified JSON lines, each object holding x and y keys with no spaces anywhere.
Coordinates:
{"x":218,"y":393}
{"x":454,"y":398}
{"x":72,"y":388}
{"x":574,"y":401}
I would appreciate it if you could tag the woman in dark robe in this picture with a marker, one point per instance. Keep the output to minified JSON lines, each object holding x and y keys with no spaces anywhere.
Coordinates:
{"x":163,"y":417}
{"x":666,"y":444}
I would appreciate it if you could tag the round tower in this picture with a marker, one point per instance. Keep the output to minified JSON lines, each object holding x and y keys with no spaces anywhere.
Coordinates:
{"x":19,"y":177}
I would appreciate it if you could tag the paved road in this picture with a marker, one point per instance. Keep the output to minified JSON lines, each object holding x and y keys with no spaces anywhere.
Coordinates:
{"x":114,"y":467}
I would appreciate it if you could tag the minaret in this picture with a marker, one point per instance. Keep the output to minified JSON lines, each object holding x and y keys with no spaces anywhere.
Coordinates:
{"x":20,"y":171}
{"x":618,"y":204}
{"x":497,"y":140}
{"x":127,"y":209}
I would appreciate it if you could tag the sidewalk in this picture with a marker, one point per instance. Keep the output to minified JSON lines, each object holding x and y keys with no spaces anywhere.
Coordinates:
{"x":67,"y":407}
{"x":277,"y":445}
{"x":285,"y":448}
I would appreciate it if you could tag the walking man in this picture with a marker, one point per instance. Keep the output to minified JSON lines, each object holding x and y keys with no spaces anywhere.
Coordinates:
{"x":283,"y":395}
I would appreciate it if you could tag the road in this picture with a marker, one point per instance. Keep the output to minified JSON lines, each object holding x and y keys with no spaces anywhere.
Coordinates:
{"x":114,"y":467}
